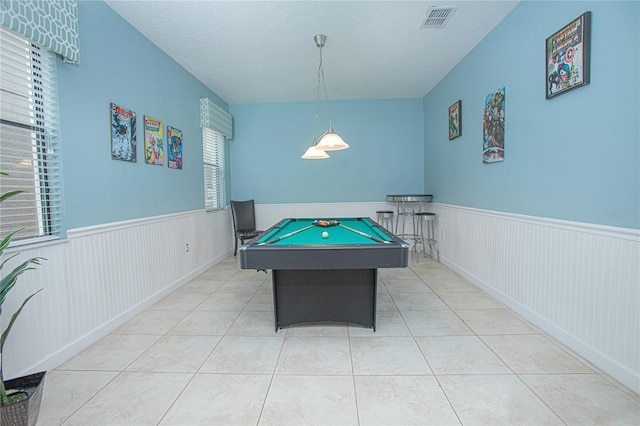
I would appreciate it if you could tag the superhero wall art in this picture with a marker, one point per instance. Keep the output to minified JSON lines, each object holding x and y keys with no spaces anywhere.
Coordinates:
{"x":493,"y":127}
{"x":567,"y":57}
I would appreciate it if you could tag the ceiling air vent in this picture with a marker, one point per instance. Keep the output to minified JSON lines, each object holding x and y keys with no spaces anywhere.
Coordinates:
{"x":437,"y":17}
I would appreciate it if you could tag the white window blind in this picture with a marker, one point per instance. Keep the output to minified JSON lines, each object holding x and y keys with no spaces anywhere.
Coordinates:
{"x":213,"y":159}
{"x":29,"y":148}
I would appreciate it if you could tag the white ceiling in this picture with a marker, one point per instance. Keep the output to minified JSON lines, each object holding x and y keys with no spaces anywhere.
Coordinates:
{"x":263,"y":51}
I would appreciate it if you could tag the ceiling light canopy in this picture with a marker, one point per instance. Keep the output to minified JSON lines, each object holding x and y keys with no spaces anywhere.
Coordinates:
{"x":329,"y":140}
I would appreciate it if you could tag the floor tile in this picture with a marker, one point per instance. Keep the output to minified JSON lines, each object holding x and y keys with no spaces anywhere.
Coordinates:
{"x":176,"y":354}
{"x":225,"y":302}
{"x":495,"y":400}
{"x":460,"y":355}
{"x":419,"y":302}
{"x":204,"y":323}
{"x":66,"y":391}
{"x":239,"y":286}
{"x":253,"y":323}
{"x":200,"y":285}
{"x":449,"y":284}
{"x":152,"y":322}
{"x":266,"y":286}
{"x":310,"y":355}
{"x":179,"y":302}
{"x":319,"y":329}
{"x":585,"y":399}
{"x":495,"y":321}
{"x":429,"y":265}
{"x":435,"y":323}
{"x":220,"y":399}
{"x":385,"y":303}
{"x":132,"y":399}
{"x":244,"y":355}
{"x":247,"y":275}
{"x":387,"y":356}
{"x":260,"y":302}
{"x":388,"y":323}
{"x":397,"y":274}
{"x":533,"y":354}
{"x":220,"y":272}
{"x":407,"y":286}
{"x":112,"y":353}
{"x":310,"y":400}
{"x":468,"y":300}
{"x":403,"y":400}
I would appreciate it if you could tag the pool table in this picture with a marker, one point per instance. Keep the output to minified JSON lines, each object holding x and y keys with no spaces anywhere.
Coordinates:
{"x":318,"y":279}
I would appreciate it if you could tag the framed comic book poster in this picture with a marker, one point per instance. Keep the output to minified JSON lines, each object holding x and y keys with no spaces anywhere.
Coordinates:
{"x":567,"y":56}
{"x":153,"y":141}
{"x":455,"y":120}
{"x":123,"y":133}
{"x":493,"y":127}
{"x":174,"y":147}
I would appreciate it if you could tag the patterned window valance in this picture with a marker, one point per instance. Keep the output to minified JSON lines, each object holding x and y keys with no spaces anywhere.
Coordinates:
{"x":214,"y":117}
{"x":51,"y":24}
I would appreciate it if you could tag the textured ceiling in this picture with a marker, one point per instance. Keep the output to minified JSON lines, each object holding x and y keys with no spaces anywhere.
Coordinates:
{"x":263,"y":51}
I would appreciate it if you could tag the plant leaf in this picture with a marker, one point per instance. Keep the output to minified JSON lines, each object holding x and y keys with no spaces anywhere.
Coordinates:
{"x":13,"y":319}
{"x":7,"y":240}
{"x":8,"y":281}
{"x":10,"y":194}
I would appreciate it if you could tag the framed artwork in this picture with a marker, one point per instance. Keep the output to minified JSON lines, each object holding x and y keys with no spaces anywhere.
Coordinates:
{"x":567,"y":56}
{"x":455,"y":120}
{"x":174,"y":147}
{"x":153,"y":141}
{"x":123,"y":133}
{"x":493,"y":127}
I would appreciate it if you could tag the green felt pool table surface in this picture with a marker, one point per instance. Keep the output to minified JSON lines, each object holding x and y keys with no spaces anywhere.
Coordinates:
{"x":339,"y":234}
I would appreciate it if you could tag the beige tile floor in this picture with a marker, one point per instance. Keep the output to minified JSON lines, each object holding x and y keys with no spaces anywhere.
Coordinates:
{"x":443,"y":353}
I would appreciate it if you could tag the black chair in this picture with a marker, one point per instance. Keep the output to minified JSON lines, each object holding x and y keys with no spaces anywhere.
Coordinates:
{"x":244,"y":221}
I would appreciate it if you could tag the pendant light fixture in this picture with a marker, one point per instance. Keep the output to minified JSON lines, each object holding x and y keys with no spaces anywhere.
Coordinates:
{"x":313,"y":153}
{"x":330,"y":140}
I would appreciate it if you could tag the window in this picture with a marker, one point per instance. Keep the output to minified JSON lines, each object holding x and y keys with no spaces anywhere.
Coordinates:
{"x":28,"y":139}
{"x":213,"y":159}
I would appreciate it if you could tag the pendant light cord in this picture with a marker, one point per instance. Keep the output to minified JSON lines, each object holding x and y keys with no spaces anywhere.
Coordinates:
{"x":326,"y":93}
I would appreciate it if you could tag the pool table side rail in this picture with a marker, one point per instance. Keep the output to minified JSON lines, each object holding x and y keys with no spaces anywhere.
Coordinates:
{"x":394,"y":254}
{"x":317,"y":257}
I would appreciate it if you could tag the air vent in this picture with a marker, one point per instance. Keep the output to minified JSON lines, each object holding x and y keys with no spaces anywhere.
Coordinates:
{"x":438,"y":17}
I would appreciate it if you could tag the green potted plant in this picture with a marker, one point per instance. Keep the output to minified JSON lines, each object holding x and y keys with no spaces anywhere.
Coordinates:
{"x":20,"y":397}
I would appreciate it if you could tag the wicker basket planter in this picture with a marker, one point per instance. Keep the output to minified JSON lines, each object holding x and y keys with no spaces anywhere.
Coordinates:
{"x":24,"y":412}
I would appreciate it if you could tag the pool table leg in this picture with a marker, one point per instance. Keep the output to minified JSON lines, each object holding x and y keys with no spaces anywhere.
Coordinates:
{"x":335,"y":295}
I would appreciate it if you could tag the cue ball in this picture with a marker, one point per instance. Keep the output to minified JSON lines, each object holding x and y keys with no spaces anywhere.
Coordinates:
{"x":325,"y":234}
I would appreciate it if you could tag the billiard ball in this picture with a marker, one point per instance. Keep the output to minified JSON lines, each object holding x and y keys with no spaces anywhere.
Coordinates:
{"x":325,"y":234}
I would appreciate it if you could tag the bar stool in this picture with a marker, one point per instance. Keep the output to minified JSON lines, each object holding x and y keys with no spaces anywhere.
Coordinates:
{"x":407,"y":208}
{"x":385,"y":218}
{"x":426,"y":239}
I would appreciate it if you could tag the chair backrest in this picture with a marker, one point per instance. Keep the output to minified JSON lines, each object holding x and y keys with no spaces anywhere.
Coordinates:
{"x":244,"y":216}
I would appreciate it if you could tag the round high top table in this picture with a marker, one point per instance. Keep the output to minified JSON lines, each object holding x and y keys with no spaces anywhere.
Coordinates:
{"x":408,"y":205}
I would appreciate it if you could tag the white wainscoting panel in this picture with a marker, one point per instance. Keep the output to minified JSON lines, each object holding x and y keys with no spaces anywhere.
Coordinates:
{"x":101,"y":277}
{"x":41,"y":327}
{"x":579,"y":282}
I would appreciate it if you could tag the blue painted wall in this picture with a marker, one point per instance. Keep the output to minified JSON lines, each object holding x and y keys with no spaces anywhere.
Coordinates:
{"x":574,"y":157}
{"x":118,"y":64}
{"x":385,"y":155}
